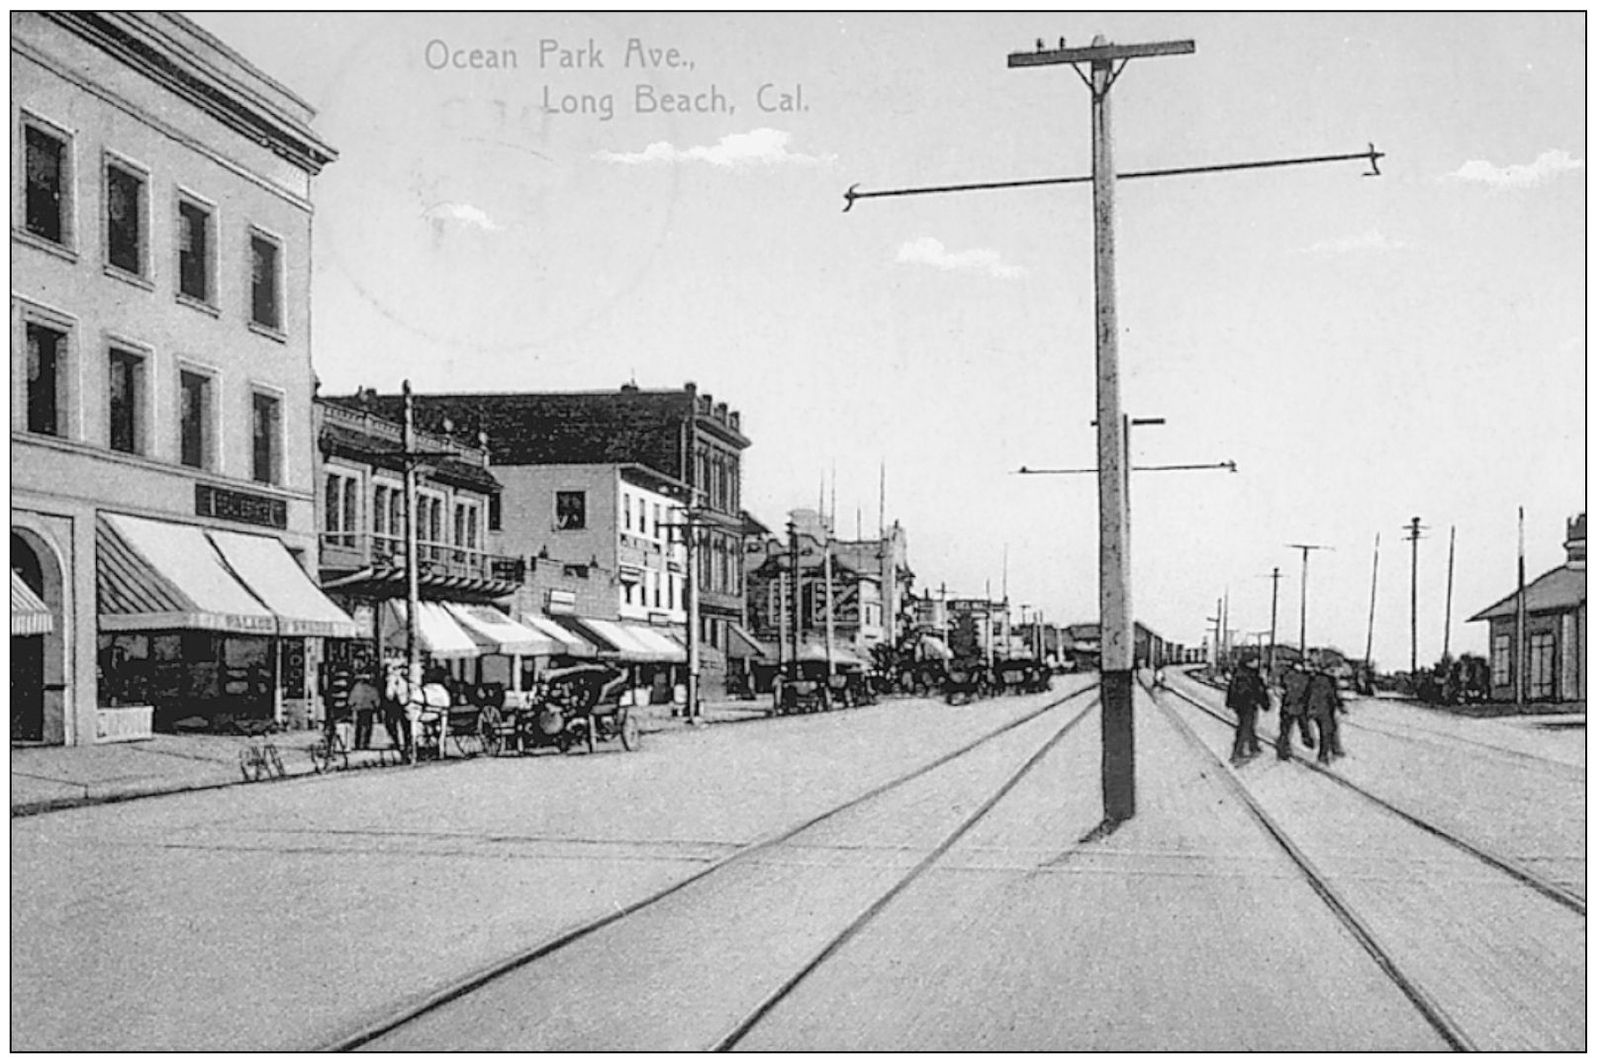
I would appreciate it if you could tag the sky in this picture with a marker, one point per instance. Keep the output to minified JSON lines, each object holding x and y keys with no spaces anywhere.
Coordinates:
{"x":535,"y":202}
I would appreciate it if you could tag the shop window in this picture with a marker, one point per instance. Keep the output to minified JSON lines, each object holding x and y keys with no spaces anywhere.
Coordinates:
{"x":570,"y":510}
{"x":1501,"y":662}
{"x":47,"y":380}
{"x":47,"y":199}
{"x":1542,"y":674}
{"x":266,"y":444}
{"x":195,"y":419}
{"x":126,"y":401}
{"x":266,"y":308}
{"x":127,"y":240}
{"x":195,"y":250}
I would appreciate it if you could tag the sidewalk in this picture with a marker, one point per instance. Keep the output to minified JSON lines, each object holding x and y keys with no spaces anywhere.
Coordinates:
{"x":47,"y":778}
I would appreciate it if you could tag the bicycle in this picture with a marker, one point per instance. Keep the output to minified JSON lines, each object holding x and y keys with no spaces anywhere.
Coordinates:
{"x":259,"y":758}
{"x":329,"y":749}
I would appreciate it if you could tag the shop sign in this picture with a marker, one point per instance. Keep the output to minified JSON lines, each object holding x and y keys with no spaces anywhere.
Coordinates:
{"x":233,"y":505}
{"x":560,"y":601}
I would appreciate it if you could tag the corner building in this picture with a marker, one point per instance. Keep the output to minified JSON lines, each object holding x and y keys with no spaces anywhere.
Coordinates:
{"x":162,"y":505}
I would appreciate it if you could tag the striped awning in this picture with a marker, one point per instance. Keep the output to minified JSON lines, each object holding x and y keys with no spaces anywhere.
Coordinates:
{"x":497,"y":633}
{"x":387,"y":581}
{"x":439,"y":634}
{"x":568,"y":643}
{"x":152,"y":576}
{"x":29,"y":614}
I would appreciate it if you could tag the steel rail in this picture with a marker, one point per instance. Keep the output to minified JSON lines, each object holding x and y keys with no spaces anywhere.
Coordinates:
{"x":1548,"y":889}
{"x":853,"y":929}
{"x":1425,"y":1004}
{"x":477,"y":979}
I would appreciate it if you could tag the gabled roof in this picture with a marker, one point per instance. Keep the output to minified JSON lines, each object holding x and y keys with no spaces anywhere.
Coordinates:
{"x":1560,"y":589}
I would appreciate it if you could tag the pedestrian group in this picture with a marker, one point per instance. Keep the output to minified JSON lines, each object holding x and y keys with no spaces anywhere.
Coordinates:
{"x":1310,"y":696}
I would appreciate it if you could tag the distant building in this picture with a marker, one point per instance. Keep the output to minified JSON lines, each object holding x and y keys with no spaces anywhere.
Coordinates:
{"x":784,"y":599}
{"x":1553,"y":662}
{"x":162,"y":478}
{"x":681,"y":434}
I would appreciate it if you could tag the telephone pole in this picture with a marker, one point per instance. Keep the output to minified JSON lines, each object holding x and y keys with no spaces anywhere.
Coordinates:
{"x":1272,"y":635}
{"x":1415,"y":528}
{"x":1450,"y":567}
{"x":1305,"y":558}
{"x":1106,"y":62}
{"x":1372,"y":602}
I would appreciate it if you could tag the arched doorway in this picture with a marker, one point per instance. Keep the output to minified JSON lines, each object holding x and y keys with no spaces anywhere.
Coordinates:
{"x":39,"y":662}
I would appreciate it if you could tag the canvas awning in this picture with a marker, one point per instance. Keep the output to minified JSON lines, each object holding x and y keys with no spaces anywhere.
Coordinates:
{"x":29,"y":614}
{"x":152,"y":575}
{"x":497,"y":633}
{"x":657,"y":641}
{"x":439,"y":634}
{"x":568,"y":643}
{"x":627,"y":645}
{"x":266,"y":567}
{"x":931,"y":648}
{"x":740,"y":643}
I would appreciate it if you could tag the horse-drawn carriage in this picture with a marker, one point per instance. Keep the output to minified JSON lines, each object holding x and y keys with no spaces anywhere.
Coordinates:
{"x":571,"y":707}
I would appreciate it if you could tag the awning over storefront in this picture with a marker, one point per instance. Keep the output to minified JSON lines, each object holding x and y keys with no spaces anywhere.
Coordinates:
{"x":931,"y":648}
{"x":657,"y":641}
{"x":497,"y":633}
{"x":439,"y":634}
{"x":569,"y":643}
{"x":29,"y":614}
{"x":153,"y":575}
{"x":842,"y":654}
{"x":627,"y":647}
{"x":264,"y":565}
{"x":740,"y":643}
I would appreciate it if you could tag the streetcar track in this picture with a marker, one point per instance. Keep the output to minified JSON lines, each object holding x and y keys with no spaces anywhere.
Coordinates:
{"x":1431,"y":1011}
{"x":1544,"y":886}
{"x":477,"y":979}
{"x":853,"y":929}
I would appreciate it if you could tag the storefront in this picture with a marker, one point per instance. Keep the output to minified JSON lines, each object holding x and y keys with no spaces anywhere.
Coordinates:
{"x":202,"y":629}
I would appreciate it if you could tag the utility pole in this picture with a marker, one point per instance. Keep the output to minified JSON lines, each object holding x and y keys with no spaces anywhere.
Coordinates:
{"x":1272,"y":636}
{"x":1106,"y":62}
{"x":797,"y":596}
{"x":415,"y":668}
{"x":1372,"y":603}
{"x":694,"y":613}
{"x":1520,"y":648}
{"x":1227,"y":633}
{"x":1006,"y":602}
{"x":1215,"y":621}
{"x":1450,"y":567}
{"x":1415,"y":528}
{"x":1305,"y":560}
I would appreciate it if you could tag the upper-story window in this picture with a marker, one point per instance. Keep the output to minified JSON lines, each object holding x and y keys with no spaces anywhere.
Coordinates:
{"x":47,"y":379}
{"x":341,"y":517}
{"x":195,"y":419}
{"x":267,"y":308}
{"x":625,"y":503}
{"x":493,"y":515}
{"x":126,"y":397}
{"x":570,"y":510}
{"x":127,"y":231}
{"x":47,"y":194}
{"x":197,"y":250}
{"x":267,"y":446}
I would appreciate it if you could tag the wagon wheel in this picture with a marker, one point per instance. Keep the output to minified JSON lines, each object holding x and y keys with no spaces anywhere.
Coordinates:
{"x":630,"y":732}
{"x":490,"y":728}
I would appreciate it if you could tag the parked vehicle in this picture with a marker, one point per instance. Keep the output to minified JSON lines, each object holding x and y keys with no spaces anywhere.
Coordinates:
{"x":580,"y":705}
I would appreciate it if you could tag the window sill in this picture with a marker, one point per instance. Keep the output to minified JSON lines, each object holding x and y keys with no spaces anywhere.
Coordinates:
{"x":197,"y":304}
{"x":39,"y":242}
{"x":267,"y":332}
{"x":131,"y":278}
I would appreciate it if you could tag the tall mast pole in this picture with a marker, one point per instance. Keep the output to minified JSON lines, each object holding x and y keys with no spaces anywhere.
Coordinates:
{"x":1272,"y":636}
{"x":1520,"y":647}
{"x":1372,"y":603}
{"x":1450,"y":567}
{"x":415,"y":667}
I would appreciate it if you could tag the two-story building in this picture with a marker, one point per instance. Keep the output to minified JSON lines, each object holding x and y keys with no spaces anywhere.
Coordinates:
{"x":681,"y":434}
{"x":162,"y":508}
{"x":788,"y":589}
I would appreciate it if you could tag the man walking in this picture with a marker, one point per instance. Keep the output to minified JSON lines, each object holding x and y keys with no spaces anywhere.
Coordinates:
{"x":1292,"y":712}
{"x":1246,"y":694}
{"x":1323,"y":705}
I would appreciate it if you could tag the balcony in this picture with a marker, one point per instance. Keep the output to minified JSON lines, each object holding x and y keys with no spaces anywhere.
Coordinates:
{"x":348,"y":552}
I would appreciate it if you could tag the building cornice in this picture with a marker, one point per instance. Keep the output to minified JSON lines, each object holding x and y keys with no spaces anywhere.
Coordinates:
{"x":128,"y":39}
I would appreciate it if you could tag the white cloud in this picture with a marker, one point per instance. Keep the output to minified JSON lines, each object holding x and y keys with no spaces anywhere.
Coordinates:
{"x":1546,"y":167}
{"x":759,"y":147}
{"x":1372,"y":239}
{"x":461,"y":212}
{"x":928,"y":251}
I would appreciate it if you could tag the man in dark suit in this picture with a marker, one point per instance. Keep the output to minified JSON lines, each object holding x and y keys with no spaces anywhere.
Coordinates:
{"x":1292,"y":712}
{"x":1323,"y":705}
{"x":1246,"y":695}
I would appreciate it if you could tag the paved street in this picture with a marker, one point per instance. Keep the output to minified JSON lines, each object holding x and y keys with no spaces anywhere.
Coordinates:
{"x":297,"y":915}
